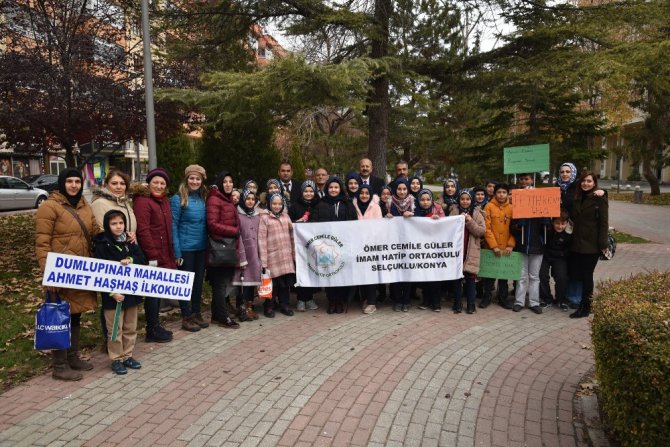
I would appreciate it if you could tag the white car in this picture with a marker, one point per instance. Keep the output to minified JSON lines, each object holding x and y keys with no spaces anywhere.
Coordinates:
{"x":15,"y":194}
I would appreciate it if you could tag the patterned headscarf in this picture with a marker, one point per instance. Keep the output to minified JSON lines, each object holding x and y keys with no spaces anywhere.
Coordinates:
{"x":573,"y":176}
{"x":243,"y":202}
{"x":451,"y":200}
{"x":283,"y":204}
{"x":419,"y":211}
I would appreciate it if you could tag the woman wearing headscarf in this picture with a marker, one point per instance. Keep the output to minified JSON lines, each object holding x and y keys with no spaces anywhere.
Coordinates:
{"x":367,"y":207}
{"x":426,"y":207}
{"x":154,"y":234}
{"x":223,"y":221}
{"x":189,"y":238}
{"x":415,"y":185}
{"x":334,"y":206}
{"x":273,"y":186}
{"x":567,"y":174}
{"x":65,"y":224}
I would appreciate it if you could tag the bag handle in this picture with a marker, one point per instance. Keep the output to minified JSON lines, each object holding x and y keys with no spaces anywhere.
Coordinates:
{"x":48,"y":299}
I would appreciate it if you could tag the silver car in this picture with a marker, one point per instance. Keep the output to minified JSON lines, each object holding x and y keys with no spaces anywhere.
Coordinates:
{"x":16,"y":194}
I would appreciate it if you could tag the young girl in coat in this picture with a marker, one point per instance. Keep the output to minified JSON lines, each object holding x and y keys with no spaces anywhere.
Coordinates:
{"x":248,"y":275}
{"x":113,"y":245}
{"x":450,"y":195}
{"x":275,"y":246}
{"x":300,"y":211}
{"x":426,"y":207}
{"x":402,"y":205}
{"x":334,"y":206}
{"x":367,"y":207}
{"x":475,"y":228}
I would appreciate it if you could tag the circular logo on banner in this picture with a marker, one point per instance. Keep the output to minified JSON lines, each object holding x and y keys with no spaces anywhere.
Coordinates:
{"x":325,"y":255}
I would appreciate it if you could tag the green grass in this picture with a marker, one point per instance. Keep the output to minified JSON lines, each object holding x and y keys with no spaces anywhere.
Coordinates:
{"x":625,"y":238}
{"x":648,"y":199}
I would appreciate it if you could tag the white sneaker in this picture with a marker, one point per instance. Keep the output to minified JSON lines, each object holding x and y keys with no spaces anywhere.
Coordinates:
{"x":311,"y":305}
{"x":301,"y":306}
{"x":370,"y":309}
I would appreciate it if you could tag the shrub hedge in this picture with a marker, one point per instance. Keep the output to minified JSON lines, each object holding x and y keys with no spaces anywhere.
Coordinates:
{"x":631,"y":342}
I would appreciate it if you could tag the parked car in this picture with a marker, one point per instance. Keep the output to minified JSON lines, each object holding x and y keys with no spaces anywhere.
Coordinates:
{"x":47,"y":182}
{"x":16,"y":194}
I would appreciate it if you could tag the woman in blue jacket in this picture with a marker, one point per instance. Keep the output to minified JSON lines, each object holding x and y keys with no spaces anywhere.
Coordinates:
{"x":189,"y":239}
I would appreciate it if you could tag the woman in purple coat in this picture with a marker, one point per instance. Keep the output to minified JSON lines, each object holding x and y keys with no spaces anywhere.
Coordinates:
{"x":248,"y":275}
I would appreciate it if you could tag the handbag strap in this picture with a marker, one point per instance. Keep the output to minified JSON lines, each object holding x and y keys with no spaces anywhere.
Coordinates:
{"x":81,"y":223}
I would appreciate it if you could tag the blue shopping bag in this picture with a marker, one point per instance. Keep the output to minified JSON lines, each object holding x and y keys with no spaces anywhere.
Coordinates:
{"x":52,"y":324}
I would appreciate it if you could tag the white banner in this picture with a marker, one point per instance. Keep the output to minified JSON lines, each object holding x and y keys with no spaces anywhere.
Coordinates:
{"x":379,"y":251}
{"x":99,"y":275}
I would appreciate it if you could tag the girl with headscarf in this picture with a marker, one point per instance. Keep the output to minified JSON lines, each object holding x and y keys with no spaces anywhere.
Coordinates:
{"x":248,"y":275}
{"x":475,"y":228}
{"x":65,"y":223}
{"x":154,"y":234}
{"x":189,"y":238}
{"x":415,"y":185}
{"x":567,"y":174}
{"x":450,"y":194}
{"x":402,"y":202}
{"x":426,"y":207}
{"x":367,"y":207}
{"x":334,"y":206}
{"x":300,"y":211}
{"x":273,"y":186}
{"x":385,"y":200}
{"x":352,"y":182}
{"x":275,"y":247}
{"x":402,"y":205}
{"x":223,"y":221}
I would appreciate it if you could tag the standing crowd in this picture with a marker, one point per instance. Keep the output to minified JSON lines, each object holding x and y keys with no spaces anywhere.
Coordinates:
{"x":140,"y":224}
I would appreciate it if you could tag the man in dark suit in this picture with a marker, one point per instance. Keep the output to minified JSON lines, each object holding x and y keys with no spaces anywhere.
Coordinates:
{"x":286,"y":177}
{"x":365,"y":171}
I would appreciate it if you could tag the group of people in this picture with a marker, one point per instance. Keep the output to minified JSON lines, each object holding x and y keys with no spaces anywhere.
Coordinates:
{"x":140,"y":224}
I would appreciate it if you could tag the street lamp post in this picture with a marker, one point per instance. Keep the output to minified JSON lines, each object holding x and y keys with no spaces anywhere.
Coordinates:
{"x":148,"y":85}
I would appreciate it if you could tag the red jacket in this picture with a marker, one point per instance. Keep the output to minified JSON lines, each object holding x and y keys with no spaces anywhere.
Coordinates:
{"x":154,"y":228}
{"x":222,"y":218}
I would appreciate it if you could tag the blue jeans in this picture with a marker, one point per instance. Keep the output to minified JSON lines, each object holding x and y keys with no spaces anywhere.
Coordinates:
{"x":194,"y":261}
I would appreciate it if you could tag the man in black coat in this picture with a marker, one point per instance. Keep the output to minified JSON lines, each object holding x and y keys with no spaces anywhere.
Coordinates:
{"x":286,"y":177}
{"x":365,"y":171}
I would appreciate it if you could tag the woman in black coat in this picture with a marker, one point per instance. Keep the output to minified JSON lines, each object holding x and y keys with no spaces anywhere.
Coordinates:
{"x":590,"y":217}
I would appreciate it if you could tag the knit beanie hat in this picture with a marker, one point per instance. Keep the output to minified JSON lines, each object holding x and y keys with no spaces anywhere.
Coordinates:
{"x":195,"y":169}
{"x":160,"y":172}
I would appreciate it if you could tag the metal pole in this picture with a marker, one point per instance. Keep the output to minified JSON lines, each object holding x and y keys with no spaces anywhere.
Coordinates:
{"x":148,"y":86}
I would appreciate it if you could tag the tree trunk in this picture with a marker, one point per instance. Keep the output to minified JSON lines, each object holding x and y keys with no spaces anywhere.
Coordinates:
{"x":651,"y":177}
{"x":379,"y":108}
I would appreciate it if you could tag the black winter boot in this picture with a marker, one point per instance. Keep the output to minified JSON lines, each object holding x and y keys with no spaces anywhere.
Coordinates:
{"x":583,"y":310}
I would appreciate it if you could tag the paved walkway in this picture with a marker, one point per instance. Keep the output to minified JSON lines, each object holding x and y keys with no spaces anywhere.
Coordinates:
{"x":419,"y":378}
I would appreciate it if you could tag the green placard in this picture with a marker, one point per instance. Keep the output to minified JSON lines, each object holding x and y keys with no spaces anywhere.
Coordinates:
{"x":520,"y":159}
{"x":503,"y":267}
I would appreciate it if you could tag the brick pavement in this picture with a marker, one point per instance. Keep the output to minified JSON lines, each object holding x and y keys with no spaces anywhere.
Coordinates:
{"x":494,"y":378}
